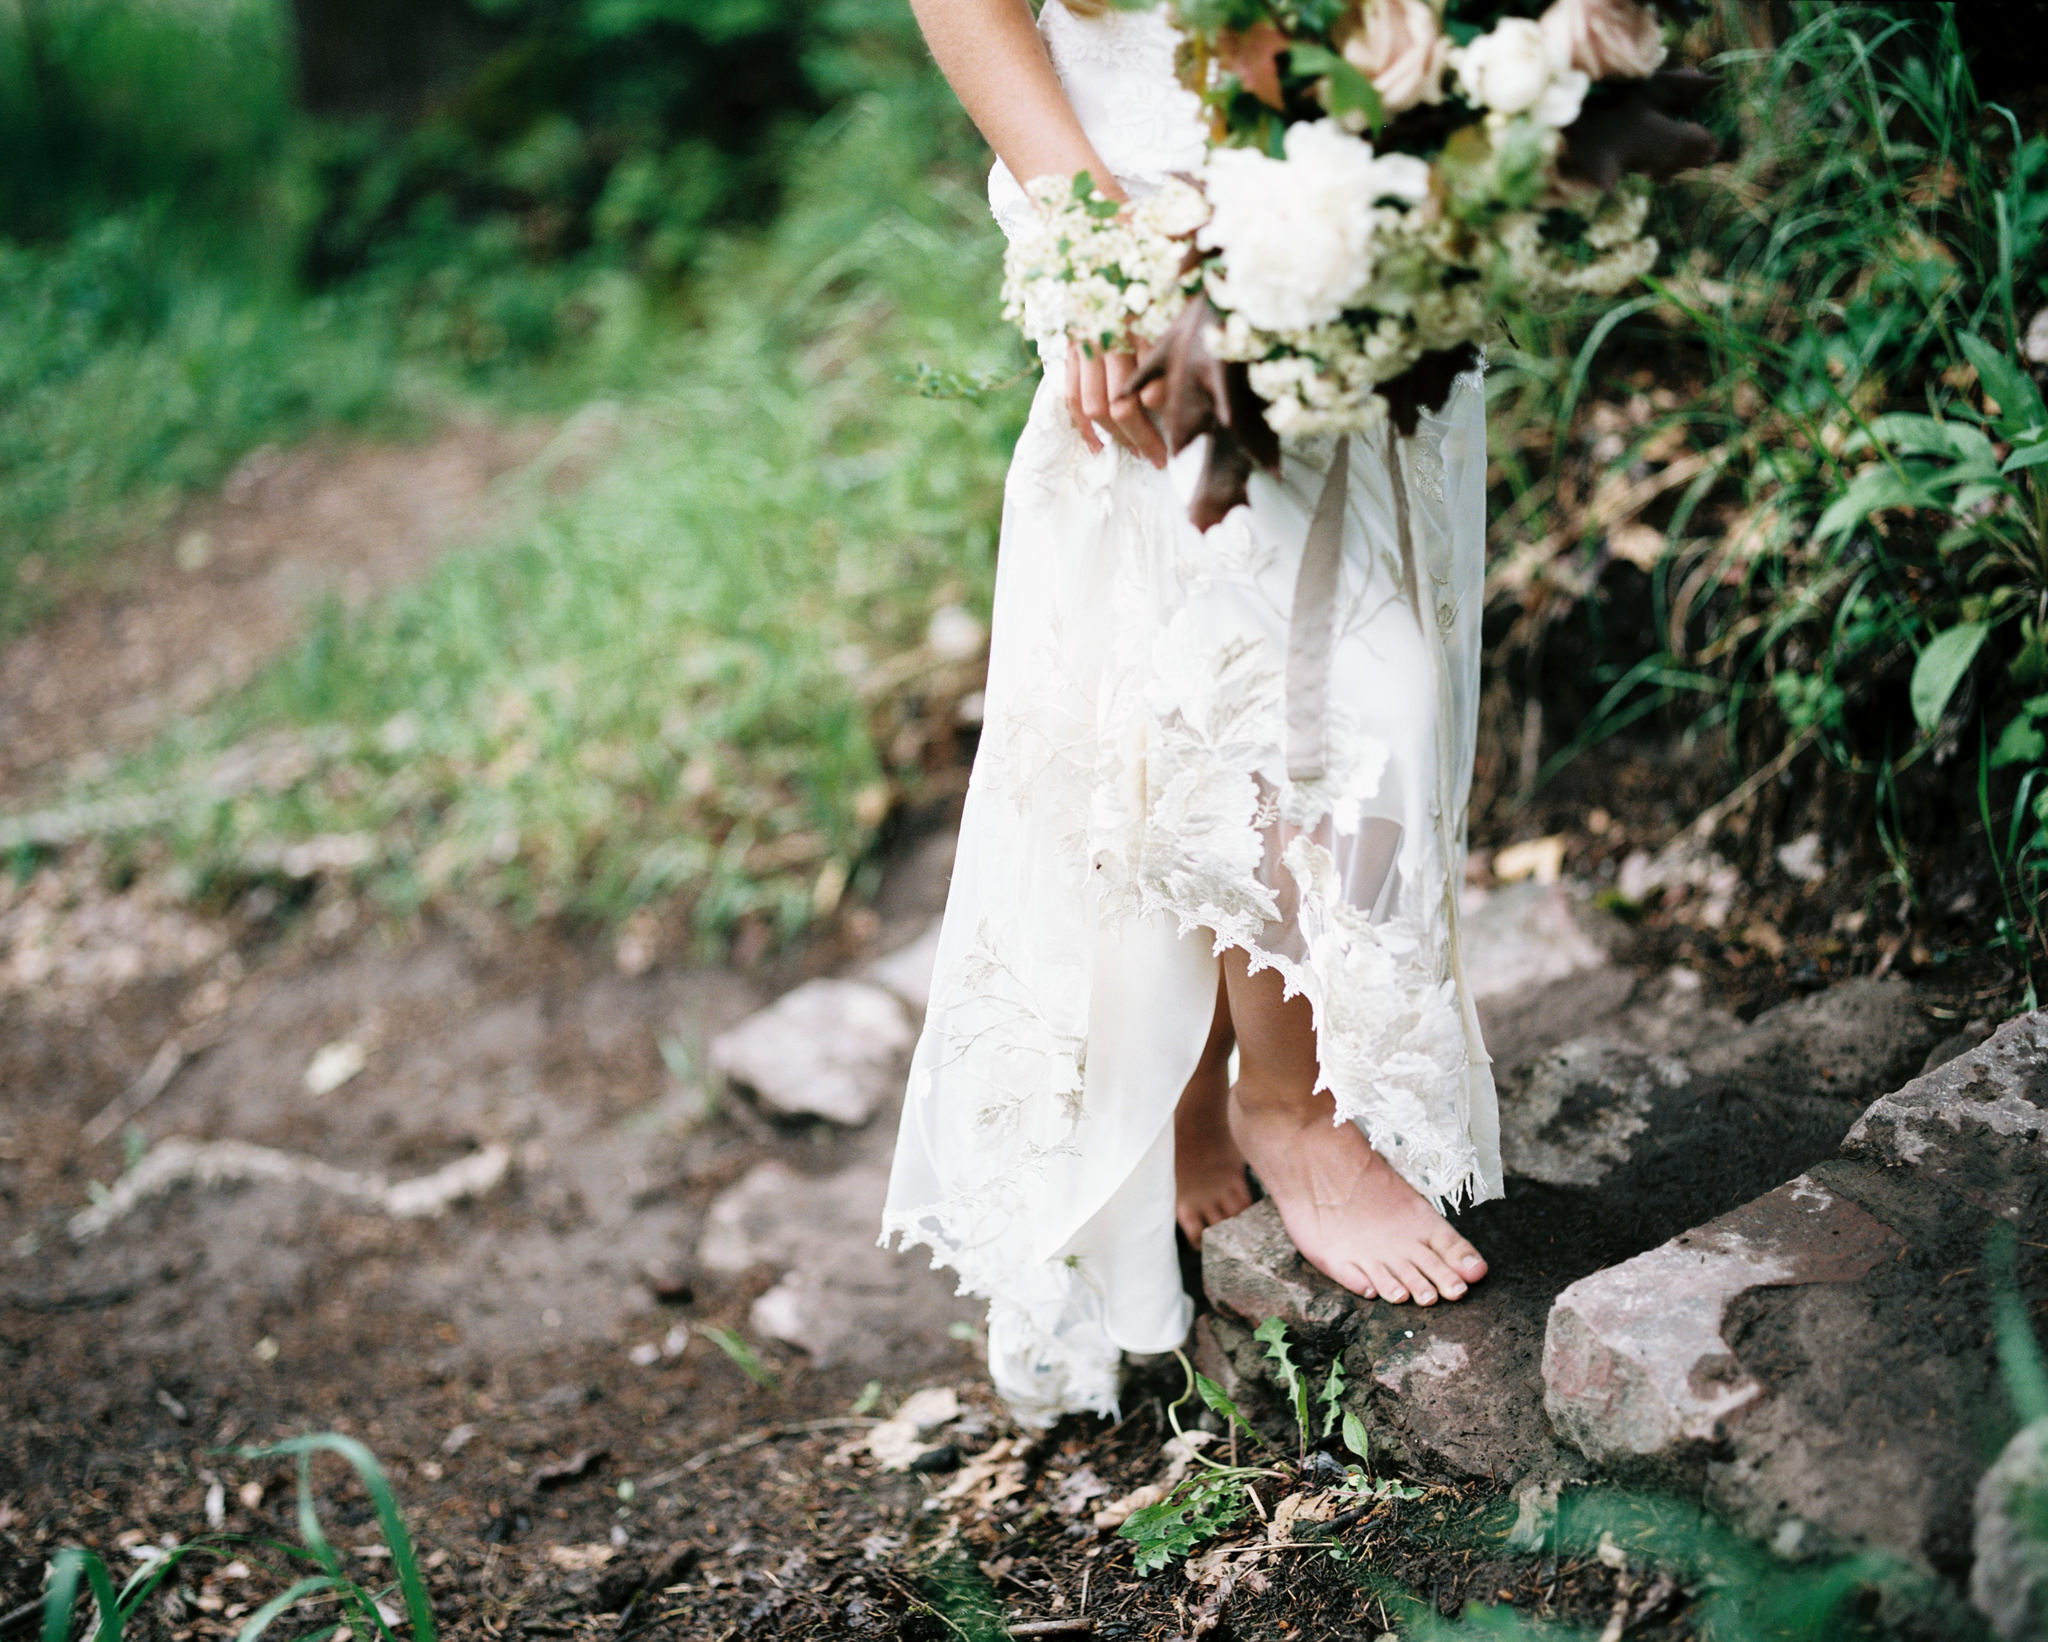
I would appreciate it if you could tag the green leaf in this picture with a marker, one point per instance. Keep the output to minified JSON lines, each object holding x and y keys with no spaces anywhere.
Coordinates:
{"x":382,"y":1500}
{"x":2022,"y":743}
{"x":1871,"y":491}
{"x":2019,"y":401}
{"x":264,"y":1617}
{"x":1909,"y":435}
{"x":1350,"y":91}
{"x":1219,"y":1400}
{"x":2026,"y":456}
{"x":1331,"y":1396}
{"x":1273,"y":1334}
{"x":1941,"y":668}
{"x":743,"y":1355}
{"x":1197,"y":1511}
{"x":1355,"y":1437}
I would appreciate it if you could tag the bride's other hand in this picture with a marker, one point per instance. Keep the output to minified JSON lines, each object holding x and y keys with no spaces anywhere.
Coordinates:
{"x":1098,"y":398}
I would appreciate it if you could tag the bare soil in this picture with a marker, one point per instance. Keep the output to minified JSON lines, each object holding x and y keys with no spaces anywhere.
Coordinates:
{"x":575,"y":1453}
{"x":180,"y":620}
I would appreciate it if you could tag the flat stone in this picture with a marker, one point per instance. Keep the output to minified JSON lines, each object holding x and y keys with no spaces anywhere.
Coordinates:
{"x":756,"y":1221}
{"x":2009,"y":1571}
{"x":1851,"y":1042}
{"x":1251,"y":1268}
{"x":1978,"y":1123}
{"x":1574,"y":1116}
{"x":1637,"y":1372}
{"x":1818,"y":1364}
{"x":831,"y":1049}
{"x":1526,"y":936}
{"x":907,"y":971}
{"x":840,"y":1297}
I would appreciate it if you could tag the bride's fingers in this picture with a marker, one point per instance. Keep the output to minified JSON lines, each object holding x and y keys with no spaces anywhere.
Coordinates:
{"x":1097,"y":401}
{"x":1133,"y":422}
{"x":1077,"y":372}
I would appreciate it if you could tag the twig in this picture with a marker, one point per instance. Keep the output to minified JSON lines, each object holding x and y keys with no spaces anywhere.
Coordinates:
{"x":12,"y":1621}
{"x":1337,"y":1524}
{"x":753,"y":1439}
{"x":171,"y":1058}
{"x":1053,"y":1627}
{"x":1711,"y":817}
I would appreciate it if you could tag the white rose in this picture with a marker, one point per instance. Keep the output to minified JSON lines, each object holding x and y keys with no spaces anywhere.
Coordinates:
{"x":1517,"y":70}
{"x":1606,"y":39}
{"x":1400,"y":47}
{"x":1298,"y":234}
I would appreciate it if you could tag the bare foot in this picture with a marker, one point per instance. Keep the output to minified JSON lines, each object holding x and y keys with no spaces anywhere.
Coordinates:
{"x":1353,"y":1218}
{"x":1208,"y":1169}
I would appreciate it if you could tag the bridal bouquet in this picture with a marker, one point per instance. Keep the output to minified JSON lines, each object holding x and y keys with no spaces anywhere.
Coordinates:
{"x":1383,"y":178}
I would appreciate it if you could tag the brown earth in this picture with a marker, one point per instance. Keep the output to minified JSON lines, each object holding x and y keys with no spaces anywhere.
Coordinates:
{"x":559,"y":1314}
{"x":176,"y":623}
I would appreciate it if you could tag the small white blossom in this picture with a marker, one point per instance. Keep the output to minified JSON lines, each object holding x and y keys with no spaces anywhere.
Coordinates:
{"x":1519,"y":69}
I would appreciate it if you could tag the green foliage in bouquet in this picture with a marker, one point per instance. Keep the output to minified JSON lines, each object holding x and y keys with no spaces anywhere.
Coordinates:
{"x":1384,"y":177}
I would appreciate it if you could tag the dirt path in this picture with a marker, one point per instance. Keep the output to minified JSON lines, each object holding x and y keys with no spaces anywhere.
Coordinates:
{"x":178,"y":622}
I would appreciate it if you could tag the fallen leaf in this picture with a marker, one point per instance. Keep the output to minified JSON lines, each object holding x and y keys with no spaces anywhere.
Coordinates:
{"x":1539,"y":858}
{"x":898,"y":1440}
{"x":580,"y":1558}
{"x":333,"y":1065}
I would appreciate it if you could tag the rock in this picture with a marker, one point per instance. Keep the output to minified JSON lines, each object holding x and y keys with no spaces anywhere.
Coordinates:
{"x":1575,"y":1113}
{"x":1637,"y":1374}
{"x":1452,"y":1388}
{"x":907,"y":971}
{"x":1960,"y":1042}
{"x":1817,"y":1364}
{"x":1523,"y":937}
{"x":1851,"y":1042}
{"x":2009,"y":1576}
{"x":841,"y":1298}
{"x":1978,"y":1124}
{"x":1250,"y":1268}
{"x":830,"y":1049}
{"x":753,"y":1223}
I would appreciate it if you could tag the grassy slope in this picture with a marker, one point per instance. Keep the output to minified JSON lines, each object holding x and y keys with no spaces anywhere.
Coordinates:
{"x":656,"y":688}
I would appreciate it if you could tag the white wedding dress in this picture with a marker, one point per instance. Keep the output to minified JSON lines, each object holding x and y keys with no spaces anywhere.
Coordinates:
{"x":1140,"y":803}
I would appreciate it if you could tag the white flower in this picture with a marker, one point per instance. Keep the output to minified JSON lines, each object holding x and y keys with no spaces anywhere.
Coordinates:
{"x":1519,"y":69}
{"x":1297,"y":234}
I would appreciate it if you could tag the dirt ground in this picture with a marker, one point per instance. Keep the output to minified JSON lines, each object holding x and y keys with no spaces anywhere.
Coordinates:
{"x":538,"y":1366}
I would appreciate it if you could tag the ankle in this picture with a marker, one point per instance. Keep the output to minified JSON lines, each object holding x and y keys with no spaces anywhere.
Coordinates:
{"x":1269,"y":1098}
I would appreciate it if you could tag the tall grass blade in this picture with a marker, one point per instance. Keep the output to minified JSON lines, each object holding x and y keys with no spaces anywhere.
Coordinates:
{"x":385,"y":1503}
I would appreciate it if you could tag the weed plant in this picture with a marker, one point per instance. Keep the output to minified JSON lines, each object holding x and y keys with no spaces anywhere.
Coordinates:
{"x":661,"y":689}
{"x":325,"y":1586}
{"x":1842,"y":454}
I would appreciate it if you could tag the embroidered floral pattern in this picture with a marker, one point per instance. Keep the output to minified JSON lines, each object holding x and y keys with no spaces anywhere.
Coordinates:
{"x":1132,"y":774}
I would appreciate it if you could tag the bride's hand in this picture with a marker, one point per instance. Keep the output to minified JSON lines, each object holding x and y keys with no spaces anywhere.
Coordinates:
{"x":1097,"y":399}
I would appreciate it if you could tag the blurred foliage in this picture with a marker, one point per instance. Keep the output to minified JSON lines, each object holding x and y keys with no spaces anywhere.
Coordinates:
{"x":702,"y":681}
{"x":192,"y":263}
{"x":1828,"y":463}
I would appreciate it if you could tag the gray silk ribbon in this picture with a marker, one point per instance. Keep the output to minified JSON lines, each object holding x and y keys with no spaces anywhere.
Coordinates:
{"x":1311,"y":631}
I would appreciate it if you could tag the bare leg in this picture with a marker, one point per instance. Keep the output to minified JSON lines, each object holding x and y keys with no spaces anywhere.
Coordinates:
{"x":1349,"y":1213}
{"x":1208,"y":1169}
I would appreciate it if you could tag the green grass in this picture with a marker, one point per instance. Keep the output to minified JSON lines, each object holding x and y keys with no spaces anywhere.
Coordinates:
{"x":323,"y":1585}
{"x":1856,"y":569}
{"x":141,"y":357}
{"x":667,"y":686}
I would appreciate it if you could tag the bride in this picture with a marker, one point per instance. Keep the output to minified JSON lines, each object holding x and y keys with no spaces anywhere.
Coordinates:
{"x":1219,"y":806}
